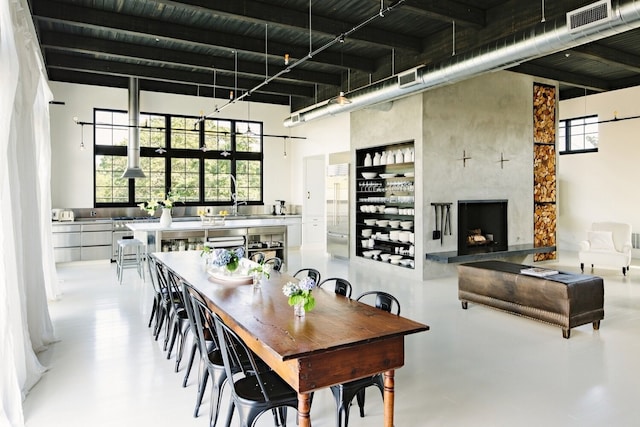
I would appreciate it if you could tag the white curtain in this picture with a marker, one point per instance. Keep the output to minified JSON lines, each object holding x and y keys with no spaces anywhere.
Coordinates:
{"x":27,"y":272}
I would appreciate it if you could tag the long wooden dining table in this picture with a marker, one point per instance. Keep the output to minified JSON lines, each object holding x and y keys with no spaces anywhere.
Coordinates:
{"x":338,"y":341}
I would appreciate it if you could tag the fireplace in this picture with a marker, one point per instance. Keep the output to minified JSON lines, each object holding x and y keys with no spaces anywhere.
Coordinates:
{"x":482,"y":226}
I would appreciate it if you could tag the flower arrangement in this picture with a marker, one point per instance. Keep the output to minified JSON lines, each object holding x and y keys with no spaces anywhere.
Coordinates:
{"x":300,"y":293}
{"x":261,"y":269}
{"x":229,"y":258}
{"x":152,"y":205}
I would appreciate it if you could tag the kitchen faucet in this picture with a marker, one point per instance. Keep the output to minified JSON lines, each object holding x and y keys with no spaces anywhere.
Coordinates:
{"x":234,"y":197}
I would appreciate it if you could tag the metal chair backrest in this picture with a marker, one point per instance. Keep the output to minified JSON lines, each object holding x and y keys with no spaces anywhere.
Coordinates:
{"x":308,"y":272}
{"x":257,"y":257}
{"x":201,"y":323}
{"x":341,"y":286}
{"x":383,"y":301}
{"x":275,"y":262}
{"x":153,"y":272}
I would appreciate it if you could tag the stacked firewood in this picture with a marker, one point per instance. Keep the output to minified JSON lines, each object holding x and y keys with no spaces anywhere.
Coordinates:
{"x":544,"y":173}
{"x":544,"y":114}
{"x":544,"y":169}
{"x":545,"y":229}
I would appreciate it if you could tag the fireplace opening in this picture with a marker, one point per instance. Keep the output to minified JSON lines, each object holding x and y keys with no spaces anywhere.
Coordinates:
{"x":482,"y":226}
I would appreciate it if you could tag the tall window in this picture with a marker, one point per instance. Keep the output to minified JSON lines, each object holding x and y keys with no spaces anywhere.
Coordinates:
{"x":578,"y":135}
{"x":181,"y":154}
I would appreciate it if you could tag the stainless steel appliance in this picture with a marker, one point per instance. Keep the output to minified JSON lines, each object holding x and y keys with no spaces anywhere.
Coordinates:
{"x":337,"y":198}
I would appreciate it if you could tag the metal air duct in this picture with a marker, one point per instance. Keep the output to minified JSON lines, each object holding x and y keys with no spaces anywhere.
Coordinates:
{"x":542,"y":39}
{"x":133,"y":147}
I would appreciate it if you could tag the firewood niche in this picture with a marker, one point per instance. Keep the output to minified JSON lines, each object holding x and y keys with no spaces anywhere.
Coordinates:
{"x":544,"y":169}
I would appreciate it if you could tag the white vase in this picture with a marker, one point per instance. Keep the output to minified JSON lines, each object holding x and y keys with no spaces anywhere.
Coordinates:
{"x":376,"y":159}
{"x":165,"y":218}
{"x":367,"y":160}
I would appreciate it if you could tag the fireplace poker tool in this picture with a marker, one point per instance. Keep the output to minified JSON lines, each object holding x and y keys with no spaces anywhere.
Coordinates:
{"x":436,"y":233}
{"x":443,"y":220}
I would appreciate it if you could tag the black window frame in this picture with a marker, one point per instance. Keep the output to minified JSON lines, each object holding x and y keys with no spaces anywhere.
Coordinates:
{"x":170,"y":153}
{"x":565,"y":142}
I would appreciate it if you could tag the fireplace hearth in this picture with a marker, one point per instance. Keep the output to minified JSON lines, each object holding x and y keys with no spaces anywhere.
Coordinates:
{"x":482,"y":226}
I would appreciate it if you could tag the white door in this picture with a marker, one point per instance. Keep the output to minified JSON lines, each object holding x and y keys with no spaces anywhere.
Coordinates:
{"x":313,"y":216}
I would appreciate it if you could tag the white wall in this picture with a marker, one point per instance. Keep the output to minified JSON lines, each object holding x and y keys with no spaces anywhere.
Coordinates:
{"x":72,"y":169}
{"x":600,"y":186}
{"x":324,"y":136}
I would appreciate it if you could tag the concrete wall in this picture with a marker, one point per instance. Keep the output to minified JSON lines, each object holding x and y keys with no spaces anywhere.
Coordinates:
{"x":600,"y":186}
{"x":484,"y":117}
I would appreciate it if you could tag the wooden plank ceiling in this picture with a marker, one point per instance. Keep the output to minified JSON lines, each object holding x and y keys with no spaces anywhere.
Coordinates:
{"x":197,"y":47}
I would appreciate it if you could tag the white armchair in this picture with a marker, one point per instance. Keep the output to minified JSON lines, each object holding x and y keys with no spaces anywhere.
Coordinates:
{"x":608,"y":244}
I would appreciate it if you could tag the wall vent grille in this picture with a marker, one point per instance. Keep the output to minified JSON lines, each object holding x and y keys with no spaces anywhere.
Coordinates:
{"x":589,"y":16}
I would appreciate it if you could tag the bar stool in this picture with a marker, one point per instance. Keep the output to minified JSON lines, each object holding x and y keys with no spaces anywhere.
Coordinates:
{"x":131,"y":253}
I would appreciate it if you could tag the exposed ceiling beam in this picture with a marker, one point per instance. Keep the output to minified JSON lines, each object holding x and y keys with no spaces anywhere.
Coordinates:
{"x":447,"y":11}
{"x":609,"y":56}
{"x":135,"y":25}
{"x":78,"y":77}
{"x":100,"y":66}
{"x":261,"y":13}
{"x":161,"y":56}
{"x":591,"y":83}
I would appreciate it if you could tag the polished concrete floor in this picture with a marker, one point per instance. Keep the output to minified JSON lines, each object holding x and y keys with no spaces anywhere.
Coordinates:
{"x":478,"y":367}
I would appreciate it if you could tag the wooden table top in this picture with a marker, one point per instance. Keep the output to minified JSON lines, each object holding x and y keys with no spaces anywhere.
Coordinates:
{"x":335,"y":323}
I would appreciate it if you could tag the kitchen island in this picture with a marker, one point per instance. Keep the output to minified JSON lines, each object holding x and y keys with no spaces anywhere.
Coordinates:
{"x":268,"y":235}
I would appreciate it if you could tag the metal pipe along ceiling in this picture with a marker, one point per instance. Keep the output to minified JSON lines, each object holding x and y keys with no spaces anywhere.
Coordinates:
{"x":133,"y":147}
{"x":542,"y":39}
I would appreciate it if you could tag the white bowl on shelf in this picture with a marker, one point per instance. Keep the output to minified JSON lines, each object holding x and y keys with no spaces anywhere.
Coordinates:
{"x":367,"y":254}
{"x":394,"y":235}
{"x":403,"y":236}
{"x":407,"y":225}
{"x":387,"y":175}
{"x":395,"y":257}
{"x":375,"y":252}
{"x":369,"y":175}
{"x":394,"y":261}
{"x":370,"y":221}
{"x":385,"y":257}
{"x":382,"y":222}
{"x":405,"y":261}
{"x":380,"y":208}
{"x":395,"y":223}
{"x":366,"y":232}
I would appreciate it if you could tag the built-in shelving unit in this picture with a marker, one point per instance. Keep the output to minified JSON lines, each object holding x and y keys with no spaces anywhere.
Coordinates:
{"x":385,"y":204}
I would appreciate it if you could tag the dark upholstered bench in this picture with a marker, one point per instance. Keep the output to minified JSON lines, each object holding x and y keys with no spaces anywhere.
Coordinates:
{"x":565,"y":300}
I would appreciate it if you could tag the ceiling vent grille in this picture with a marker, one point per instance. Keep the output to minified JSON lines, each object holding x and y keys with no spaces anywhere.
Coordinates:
{"x":589,"y":16}
{"x":408,"y":78}
{"x":296,"y":118}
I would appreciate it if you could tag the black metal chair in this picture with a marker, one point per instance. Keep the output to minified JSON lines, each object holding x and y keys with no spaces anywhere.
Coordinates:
{"x":344,"y":393}
{"x":258,"y":257}
{"x":165,"y":305}
{"x":157,"y":293}
{"x":180,"y":326}
{"x":308,"y":272}
{"x":259,"y":389}
{"x":275,"y":262}
{"x":340,"y":286}
{"x":206,"y":339}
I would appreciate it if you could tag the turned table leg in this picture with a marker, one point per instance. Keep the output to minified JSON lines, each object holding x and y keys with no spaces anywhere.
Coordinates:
{"x":389,"y":383}
{"x":304,"y":408}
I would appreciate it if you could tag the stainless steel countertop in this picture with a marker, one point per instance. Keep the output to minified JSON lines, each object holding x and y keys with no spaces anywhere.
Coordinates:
{"x":180,"y":219}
